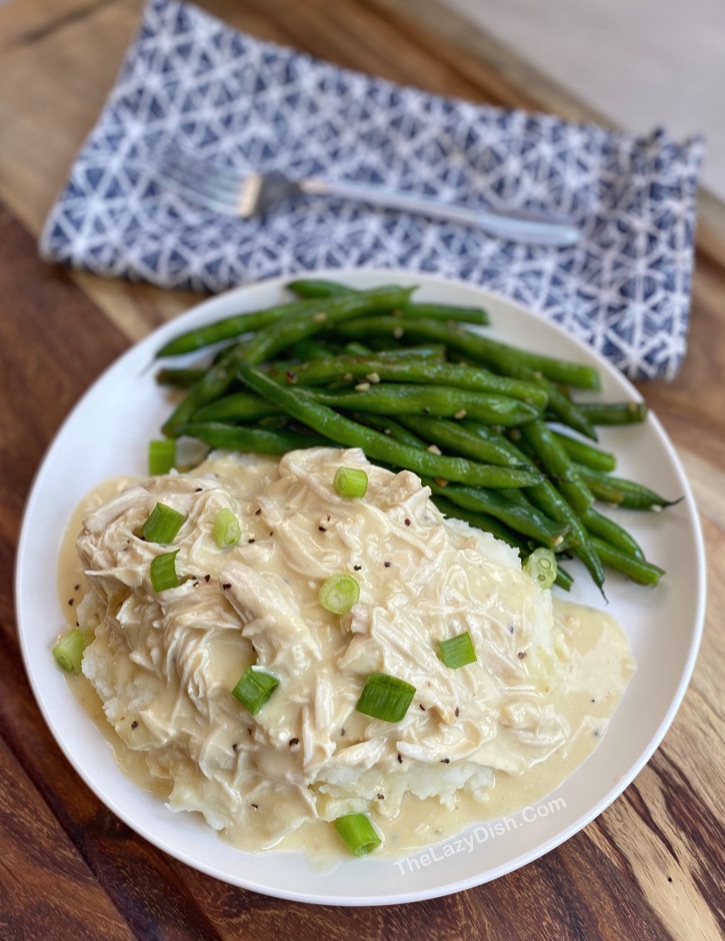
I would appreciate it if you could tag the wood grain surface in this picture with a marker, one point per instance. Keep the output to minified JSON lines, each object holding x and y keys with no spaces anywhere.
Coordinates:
{"x":651,"y":867}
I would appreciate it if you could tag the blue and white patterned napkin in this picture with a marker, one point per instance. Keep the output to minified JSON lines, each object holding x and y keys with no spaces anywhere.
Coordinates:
{"x":253,"y":105}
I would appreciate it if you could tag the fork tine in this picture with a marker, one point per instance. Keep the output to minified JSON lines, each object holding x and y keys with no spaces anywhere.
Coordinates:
{"x":199,"y":166}
{"x":206,"y":189}
{"x":223,"y":205}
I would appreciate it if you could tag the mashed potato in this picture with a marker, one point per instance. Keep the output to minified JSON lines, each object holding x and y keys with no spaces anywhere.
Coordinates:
{"x":164,"y":664}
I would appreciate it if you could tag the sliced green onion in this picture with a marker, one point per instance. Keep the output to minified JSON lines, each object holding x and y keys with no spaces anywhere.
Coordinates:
{"x":541,"y":566}
{"x":350,"y":482}
{"x":163,"y":524}
{"x":339,"y":593}
{"x":359,"y":834}
{"x":163,"y":571}
{"x":457,"y":651}
{"x":254,"y":688}
{"x":68,"y":652}
{"x":385,"y":697}
{"x":162,"y":456}
{"x":227,"y":530}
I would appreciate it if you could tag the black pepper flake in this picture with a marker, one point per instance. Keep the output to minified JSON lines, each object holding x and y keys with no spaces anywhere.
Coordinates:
{"x":342,"y":732}
{"x":271,"y":532}
{"x":293,"y":742}
{"x":593,"y":699}
{"x":357,"y":567}
{"x":421,"y":706}
{"x":328,"y":517}
{"x":249,"y":730}
{"x":458,"y":712}
{"x":400,"y":758}
{"x":521,"y":654}
{"x":76,"y":587}
{"x":207,"y":578}
{"x":251,"y":540}
{"x":198,"y":490}
{"x":407,"y":521}
{"x":134,"y":724}
{"x":322,"y":529}
{"x":235,"y":746}
{"x":445,"y":761}
{"x":196,"y":583}
{"x":257,"y":512}
{"x":596,"y":733}
{"x":227,"y":585}
{"x":381,"y":797}
{"x":387,"y":564}
{"x":78,"y":624}
{"x":511,"y":628}
{"x":256,"y":806}
{"x":70,"y":601}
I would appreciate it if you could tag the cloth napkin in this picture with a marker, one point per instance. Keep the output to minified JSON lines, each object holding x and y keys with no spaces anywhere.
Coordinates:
{"x":248,"y":104}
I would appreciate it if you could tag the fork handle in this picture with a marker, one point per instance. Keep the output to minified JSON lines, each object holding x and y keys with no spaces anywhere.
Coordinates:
{"x":533,"y":228}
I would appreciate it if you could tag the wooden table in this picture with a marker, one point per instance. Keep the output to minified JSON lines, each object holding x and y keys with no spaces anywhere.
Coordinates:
{"x":651,"y":867}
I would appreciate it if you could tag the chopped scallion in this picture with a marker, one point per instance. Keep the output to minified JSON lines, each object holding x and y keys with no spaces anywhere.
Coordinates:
{"x":358,"y":833}
{"x":458,"y":651}
{"x":162,"y":456}
{"x":541,"y":566}
{"x":227,"y":530}
{"x":385,"y":697}
{"x":350,"y":482}
{"x":254,"y":688}
{"x":339,"y":593}
{"x":163,"y":571}
{"x":163,"y":524}
{"x":68,"y":652}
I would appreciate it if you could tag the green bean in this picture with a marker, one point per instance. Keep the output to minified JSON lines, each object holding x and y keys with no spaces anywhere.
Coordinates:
{"x":356,"y":349}
{"x":312,"y":349}
{"x":586,"y":454}
{"x":270,"y":341}
{"x":417,"y":360}
{"x":558,"y":465}
{"x":179,"y":378}
{"x":601,"y":487}
{"x":547,"y":498}
{"x":319,"y":288}
{"x":238,"y":407}
{"x":614,"y":413}
{"x":464,"y":342}
{"x":645,"y":573}
{"x":475,"y":345}
{"x":299,"y":404}
{"x":439,"y":401}
{"x":461,"y":438}
{"x":408,"y":369}
{"x":628,"y":494}
{"x":232,"y":327}
{"x":604,"y":528}
{"x":391,"y":429}
{"x":257,"y":440}
{"x":521,"y":517}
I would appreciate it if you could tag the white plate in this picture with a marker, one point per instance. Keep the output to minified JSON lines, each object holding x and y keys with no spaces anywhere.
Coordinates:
{"x":107,"y":435}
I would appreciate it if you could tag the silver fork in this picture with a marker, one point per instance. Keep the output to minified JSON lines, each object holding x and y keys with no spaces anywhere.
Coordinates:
{"x":225,"y":191}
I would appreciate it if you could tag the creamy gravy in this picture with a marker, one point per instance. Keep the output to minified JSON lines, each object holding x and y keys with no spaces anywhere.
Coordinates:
{"x":598,"y":668}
